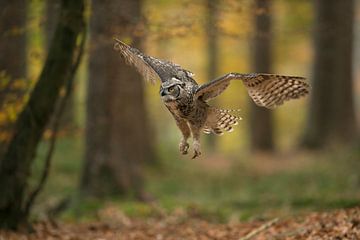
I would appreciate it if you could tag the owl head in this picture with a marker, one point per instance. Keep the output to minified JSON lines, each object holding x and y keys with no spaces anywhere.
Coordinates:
{"x":171,"y":90}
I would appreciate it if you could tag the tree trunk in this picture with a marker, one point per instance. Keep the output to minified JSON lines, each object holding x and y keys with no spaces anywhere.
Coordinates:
{"x":332,"y":118}
{"x":12,"y":58}
{"x":212,"y":51}
{"x":30,"y":125}
{"x":117,"y":131}
{"x":52,"y":8}
{"x":261,"y":122}
{"x":13,"y":38}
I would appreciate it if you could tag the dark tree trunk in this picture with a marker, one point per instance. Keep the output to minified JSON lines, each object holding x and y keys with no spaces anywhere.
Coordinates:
{"x":13,"y":38}
{"x":52,"y":9}
{"x":16,"y":164}
{"x":331,"y":118}
{"x":12,"y":57}
{"x":212,"y":50}
{"x":261,"y":122}
{"x":117,"y":131}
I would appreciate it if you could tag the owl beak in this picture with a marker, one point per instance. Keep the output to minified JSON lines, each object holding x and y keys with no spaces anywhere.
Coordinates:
{"x":162,"y":92}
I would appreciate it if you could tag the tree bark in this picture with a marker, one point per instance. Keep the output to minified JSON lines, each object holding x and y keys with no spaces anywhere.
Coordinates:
{"x":332,"y":118}
{"x":30,"y":125}
{"x":52,"y":9}
{"x":13,"y":38}
{"x":117,"y":130}
{"x":261,"y":122}
{"x":12,"y":56}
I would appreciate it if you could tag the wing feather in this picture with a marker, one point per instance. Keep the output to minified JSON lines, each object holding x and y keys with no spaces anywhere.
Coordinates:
{"x":134,"y":57}
{"x":266,"y":90}
{"x":152,"y":68}
{"x":212,"y":89}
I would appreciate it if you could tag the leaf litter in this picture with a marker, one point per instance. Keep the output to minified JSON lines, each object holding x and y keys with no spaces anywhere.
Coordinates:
{"x":334,"y":225}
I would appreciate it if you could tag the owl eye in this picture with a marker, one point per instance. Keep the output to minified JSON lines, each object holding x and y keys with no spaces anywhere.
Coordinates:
{"x":171,"y":89}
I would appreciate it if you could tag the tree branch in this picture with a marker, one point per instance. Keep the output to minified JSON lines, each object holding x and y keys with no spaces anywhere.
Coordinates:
{"x":256,"y":231}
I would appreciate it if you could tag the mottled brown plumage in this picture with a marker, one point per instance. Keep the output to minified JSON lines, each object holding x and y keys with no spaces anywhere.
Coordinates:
{"x":187,"y":101}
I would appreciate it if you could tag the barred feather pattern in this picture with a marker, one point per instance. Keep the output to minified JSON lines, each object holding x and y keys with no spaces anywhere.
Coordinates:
{"x":220,"y":121}
{"x":271,"y":91}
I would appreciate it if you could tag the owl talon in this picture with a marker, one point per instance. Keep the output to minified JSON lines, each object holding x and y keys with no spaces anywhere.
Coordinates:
{"x":184,"y":147}
{"x":197,"y":151}
{"x":196,"y":154}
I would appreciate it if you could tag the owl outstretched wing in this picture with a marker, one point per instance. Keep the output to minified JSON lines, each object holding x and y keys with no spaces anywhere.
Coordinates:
{"x":152,"y":69}
{"x":267,"y":90}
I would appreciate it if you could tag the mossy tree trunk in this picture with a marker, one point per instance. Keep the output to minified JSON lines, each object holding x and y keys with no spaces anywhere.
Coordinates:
{"x":261,"y":122}
{"x":30,"y":125}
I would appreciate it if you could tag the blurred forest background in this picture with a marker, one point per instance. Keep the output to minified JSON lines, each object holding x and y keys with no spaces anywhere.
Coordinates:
{"x":80,"y":131}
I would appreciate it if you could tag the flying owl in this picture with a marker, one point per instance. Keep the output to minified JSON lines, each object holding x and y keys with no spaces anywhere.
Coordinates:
{"x":188,"y":102}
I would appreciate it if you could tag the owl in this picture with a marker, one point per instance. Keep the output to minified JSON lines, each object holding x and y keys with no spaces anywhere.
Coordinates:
{"x":187,"y":101}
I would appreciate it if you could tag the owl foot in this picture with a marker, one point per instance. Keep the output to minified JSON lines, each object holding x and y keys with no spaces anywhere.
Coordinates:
{"x":183,"y":147}
{"x":197,"y":151}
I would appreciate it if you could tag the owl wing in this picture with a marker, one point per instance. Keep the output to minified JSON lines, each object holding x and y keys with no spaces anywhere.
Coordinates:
{"x":149,"y":67}
{"x":267,"y":90}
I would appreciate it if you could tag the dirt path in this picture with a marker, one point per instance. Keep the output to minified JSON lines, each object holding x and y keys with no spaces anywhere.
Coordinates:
{"x":340,"y":224}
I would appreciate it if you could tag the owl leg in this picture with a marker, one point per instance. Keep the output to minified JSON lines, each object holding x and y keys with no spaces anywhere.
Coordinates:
{"x":185,"y":130}
{"x":183,"y":146}
{"x":196,"y":140}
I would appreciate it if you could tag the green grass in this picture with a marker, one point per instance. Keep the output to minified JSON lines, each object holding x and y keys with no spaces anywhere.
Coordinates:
{"x":240,"y":188}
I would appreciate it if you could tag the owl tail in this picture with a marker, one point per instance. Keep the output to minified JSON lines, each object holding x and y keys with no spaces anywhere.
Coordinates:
{"x":220,"y":120}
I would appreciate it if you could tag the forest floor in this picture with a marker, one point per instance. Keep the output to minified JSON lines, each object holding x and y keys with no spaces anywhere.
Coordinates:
{"x":337,"y":224}
{"x":313,"y":195}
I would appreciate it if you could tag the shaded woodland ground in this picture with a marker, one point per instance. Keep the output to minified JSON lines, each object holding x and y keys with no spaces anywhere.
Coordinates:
{"x":212,"y":198}
{"x":113,"y":224}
